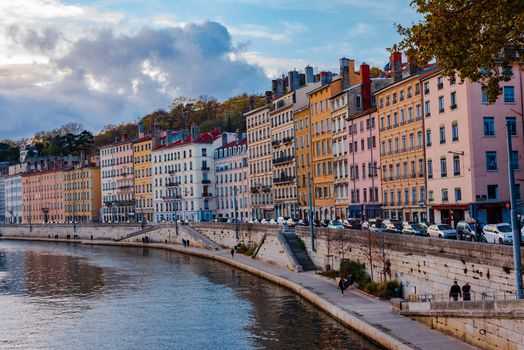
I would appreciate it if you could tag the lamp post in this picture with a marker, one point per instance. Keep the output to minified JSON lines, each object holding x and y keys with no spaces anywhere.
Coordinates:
{"x":311,"y":228}
{"x":514,"y":223}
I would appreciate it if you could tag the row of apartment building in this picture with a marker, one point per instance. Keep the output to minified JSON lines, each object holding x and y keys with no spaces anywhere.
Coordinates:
{"x":408,"y":145}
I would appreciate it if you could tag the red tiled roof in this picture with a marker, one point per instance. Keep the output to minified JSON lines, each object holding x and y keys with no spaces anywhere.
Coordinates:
{"x":235,"y":143}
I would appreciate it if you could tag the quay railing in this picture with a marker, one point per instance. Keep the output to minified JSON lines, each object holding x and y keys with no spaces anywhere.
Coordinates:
{"x":474,"y":296}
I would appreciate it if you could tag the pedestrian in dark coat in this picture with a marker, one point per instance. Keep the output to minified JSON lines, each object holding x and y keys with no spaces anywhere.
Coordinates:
{"x":232,"y":253}
{"x":455,"y":291}
{"x":342,"y":285}
{"x":466,"y":292}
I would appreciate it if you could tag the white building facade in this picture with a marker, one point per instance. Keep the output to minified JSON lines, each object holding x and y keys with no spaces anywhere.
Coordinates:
{"x":231,"y":180}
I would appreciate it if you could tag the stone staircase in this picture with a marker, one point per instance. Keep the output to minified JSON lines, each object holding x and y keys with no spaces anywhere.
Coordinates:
{"x":301,"y":256}
{"x":137,"y":233}
{"x":208,"y":243}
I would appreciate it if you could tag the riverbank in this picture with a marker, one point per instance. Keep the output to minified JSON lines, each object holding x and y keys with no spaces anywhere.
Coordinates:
{"x":369,"y":317}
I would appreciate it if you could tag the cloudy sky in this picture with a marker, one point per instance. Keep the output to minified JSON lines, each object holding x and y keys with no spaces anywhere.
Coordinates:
{"x":107,"y":61}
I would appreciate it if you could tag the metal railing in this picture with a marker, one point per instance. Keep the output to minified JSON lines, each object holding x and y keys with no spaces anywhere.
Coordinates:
{"x":474,"y":296}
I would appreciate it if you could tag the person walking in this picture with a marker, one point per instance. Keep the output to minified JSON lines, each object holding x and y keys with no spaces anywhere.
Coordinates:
{"x":349,"y":281}
{"x":455,"y":291}
{"x":342,"y":285}
{"x":478,"y":232}
{"x":233,"y":253}
{"x":466,"y":292}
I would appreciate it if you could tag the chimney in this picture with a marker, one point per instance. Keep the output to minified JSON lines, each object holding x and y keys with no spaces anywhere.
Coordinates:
{"x":123,"y":137}
{"x":116,"y":139}
{"x":412,"y":67}
{"x":344,"y":72}
{"x":140,"y":130}
{"x":396,"y":66}
{"x":251,"y":102}
{"x":277,"y":86}
{"x":269,"y":97}
{"x":224,"y":138}
{"x":293,"y":80}
{"x":239,"y":135}
{"x":310,"y":78}
{"x":325,"y":77}
{"x":302,"y":78}
{"x":365,"y":86}
{"x":195,"y":132}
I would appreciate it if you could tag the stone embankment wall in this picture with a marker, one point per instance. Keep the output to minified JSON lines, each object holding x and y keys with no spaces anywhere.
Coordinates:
{"x":83,"y":231}
{"x":421,"y":264}
{"x":485,"y":324}
{"x":265,"y":236}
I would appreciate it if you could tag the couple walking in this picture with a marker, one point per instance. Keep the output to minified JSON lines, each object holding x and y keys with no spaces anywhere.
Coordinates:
{"x":345,"y":283}
{"x":455,"y":291}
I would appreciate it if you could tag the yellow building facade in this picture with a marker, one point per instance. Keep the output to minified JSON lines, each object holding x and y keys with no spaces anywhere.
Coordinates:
{"x":303,"y":159}
{"x":143,"y":181}
{"x":82,"y":194}
{"x":400,"y":117}
{"x":321,"y":148}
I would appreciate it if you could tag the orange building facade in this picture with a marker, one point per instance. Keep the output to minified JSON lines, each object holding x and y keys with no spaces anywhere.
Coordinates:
{"x":42,"y":197}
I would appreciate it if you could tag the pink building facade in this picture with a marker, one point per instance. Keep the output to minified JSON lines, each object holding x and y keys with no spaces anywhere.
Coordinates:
{"x":363,"y":165}
{"x":42,"y":197}
{"x":116,"y":166}
{"x":466,"y":149}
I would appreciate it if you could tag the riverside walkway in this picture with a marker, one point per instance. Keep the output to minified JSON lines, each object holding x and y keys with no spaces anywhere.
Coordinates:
{"x":369,"y":316}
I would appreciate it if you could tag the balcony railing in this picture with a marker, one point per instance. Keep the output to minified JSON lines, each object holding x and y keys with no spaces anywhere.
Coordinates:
{"x":283,"y":179}
{"x":281,"y":160}
{"x":255,"y":189}
{"x":275,"y":143}
{"x":205,"y":168}
{"x":266,"y":188}
{"x":172,"y":184}
{"x":287,"y":139}
{"x":206,"y":181}
{"x":207,"y":195}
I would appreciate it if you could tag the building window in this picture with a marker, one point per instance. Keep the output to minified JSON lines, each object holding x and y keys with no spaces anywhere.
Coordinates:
{"x":484,"y":93}
{"x":454,"y":132}
{"x":515,"y":160}
{"x":430,"y":169}
{"x":441,"y":104}
{"x":431,"y":196}
{"x":426,"y":88}
{"x":517,"y":191}
{"x":509,"y":94}
{"x":489,"y":126}
{"x":444,"y":195}
{"x":458,"y":194}
{"x":442,"y":133}
{"x":493,"y":192}
{"x":443,"y":167}
{"x":426,"y":106}
{"x":456,"y":165}
{"x":428,"y":138}
{"x":491,"y":161}
{"x":512,"y":121}
{"x":453,"y":100}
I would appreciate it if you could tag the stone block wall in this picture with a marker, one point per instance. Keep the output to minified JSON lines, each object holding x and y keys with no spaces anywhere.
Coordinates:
{"x":83,"y":231}
{"x":422,"y":265}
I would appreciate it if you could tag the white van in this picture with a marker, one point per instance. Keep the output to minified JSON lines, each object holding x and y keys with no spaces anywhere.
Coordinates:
{"x":499,"y":233}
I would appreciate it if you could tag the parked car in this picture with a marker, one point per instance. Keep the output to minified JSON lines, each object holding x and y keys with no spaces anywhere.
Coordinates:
{"x":442,"y":231}
{"x":393,"y":227}
{"x":354,"y":224}
{"x":414,"y":229}
{"x":263,"y":221}
{"x":499,"y":233}
{"x":335,"y":224}
{"x":272,"y":222}
{"x":466,"y":231}
{"x":377,"y":227}
{"x":290,"y":222}
{"x":280,"y":220}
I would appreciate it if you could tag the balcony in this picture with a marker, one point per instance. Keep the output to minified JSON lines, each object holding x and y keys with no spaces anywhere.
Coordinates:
{"x":171,"y":172}
{"x":282,"y":160}
{"x":168,"y":199}
{"x":266,"y":188}
{"x":287,"y":140}
{"x":205,"y":168}
{"x":207,"y":195}
{"x":255,"y":189}
{"x":283,"y":179}
{"x":172,"y":184}
{"x":453,"y":106}
{"x":125,"y":203}
{"x":206,"y":181}
{"x":275,"y":143}
{"x":412,"y":175}
{"x":421,"y":174}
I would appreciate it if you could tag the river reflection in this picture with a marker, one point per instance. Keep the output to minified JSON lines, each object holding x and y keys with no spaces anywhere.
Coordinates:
{"x":57,"y":296}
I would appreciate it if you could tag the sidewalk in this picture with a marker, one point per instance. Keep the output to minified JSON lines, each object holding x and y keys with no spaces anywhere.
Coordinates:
{"x":364,"y":314}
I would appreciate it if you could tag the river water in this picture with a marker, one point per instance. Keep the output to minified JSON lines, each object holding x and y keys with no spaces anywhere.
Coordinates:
{"x":67,"y":296}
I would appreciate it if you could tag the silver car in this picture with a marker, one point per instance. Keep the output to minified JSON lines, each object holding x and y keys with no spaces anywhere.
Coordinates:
{"x":442,"y":231}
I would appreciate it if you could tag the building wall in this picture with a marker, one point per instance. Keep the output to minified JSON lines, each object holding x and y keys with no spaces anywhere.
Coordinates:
{"x":402,"y":150}
{"x":143,"y":184}
{"x":82,"y":194}
{"x":363,"y":129}
{"x":2,"y":200}
{"x":323,"y":156}
{"x":303,"y":160}
{"x":260,"y":165}
{"x":13,"y":199}
{"x":339,"y":113}
{"x":231,"y":171}
{"x":284,"y":168}
{"x":43,"y":197}
{"x":118,"y":197}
